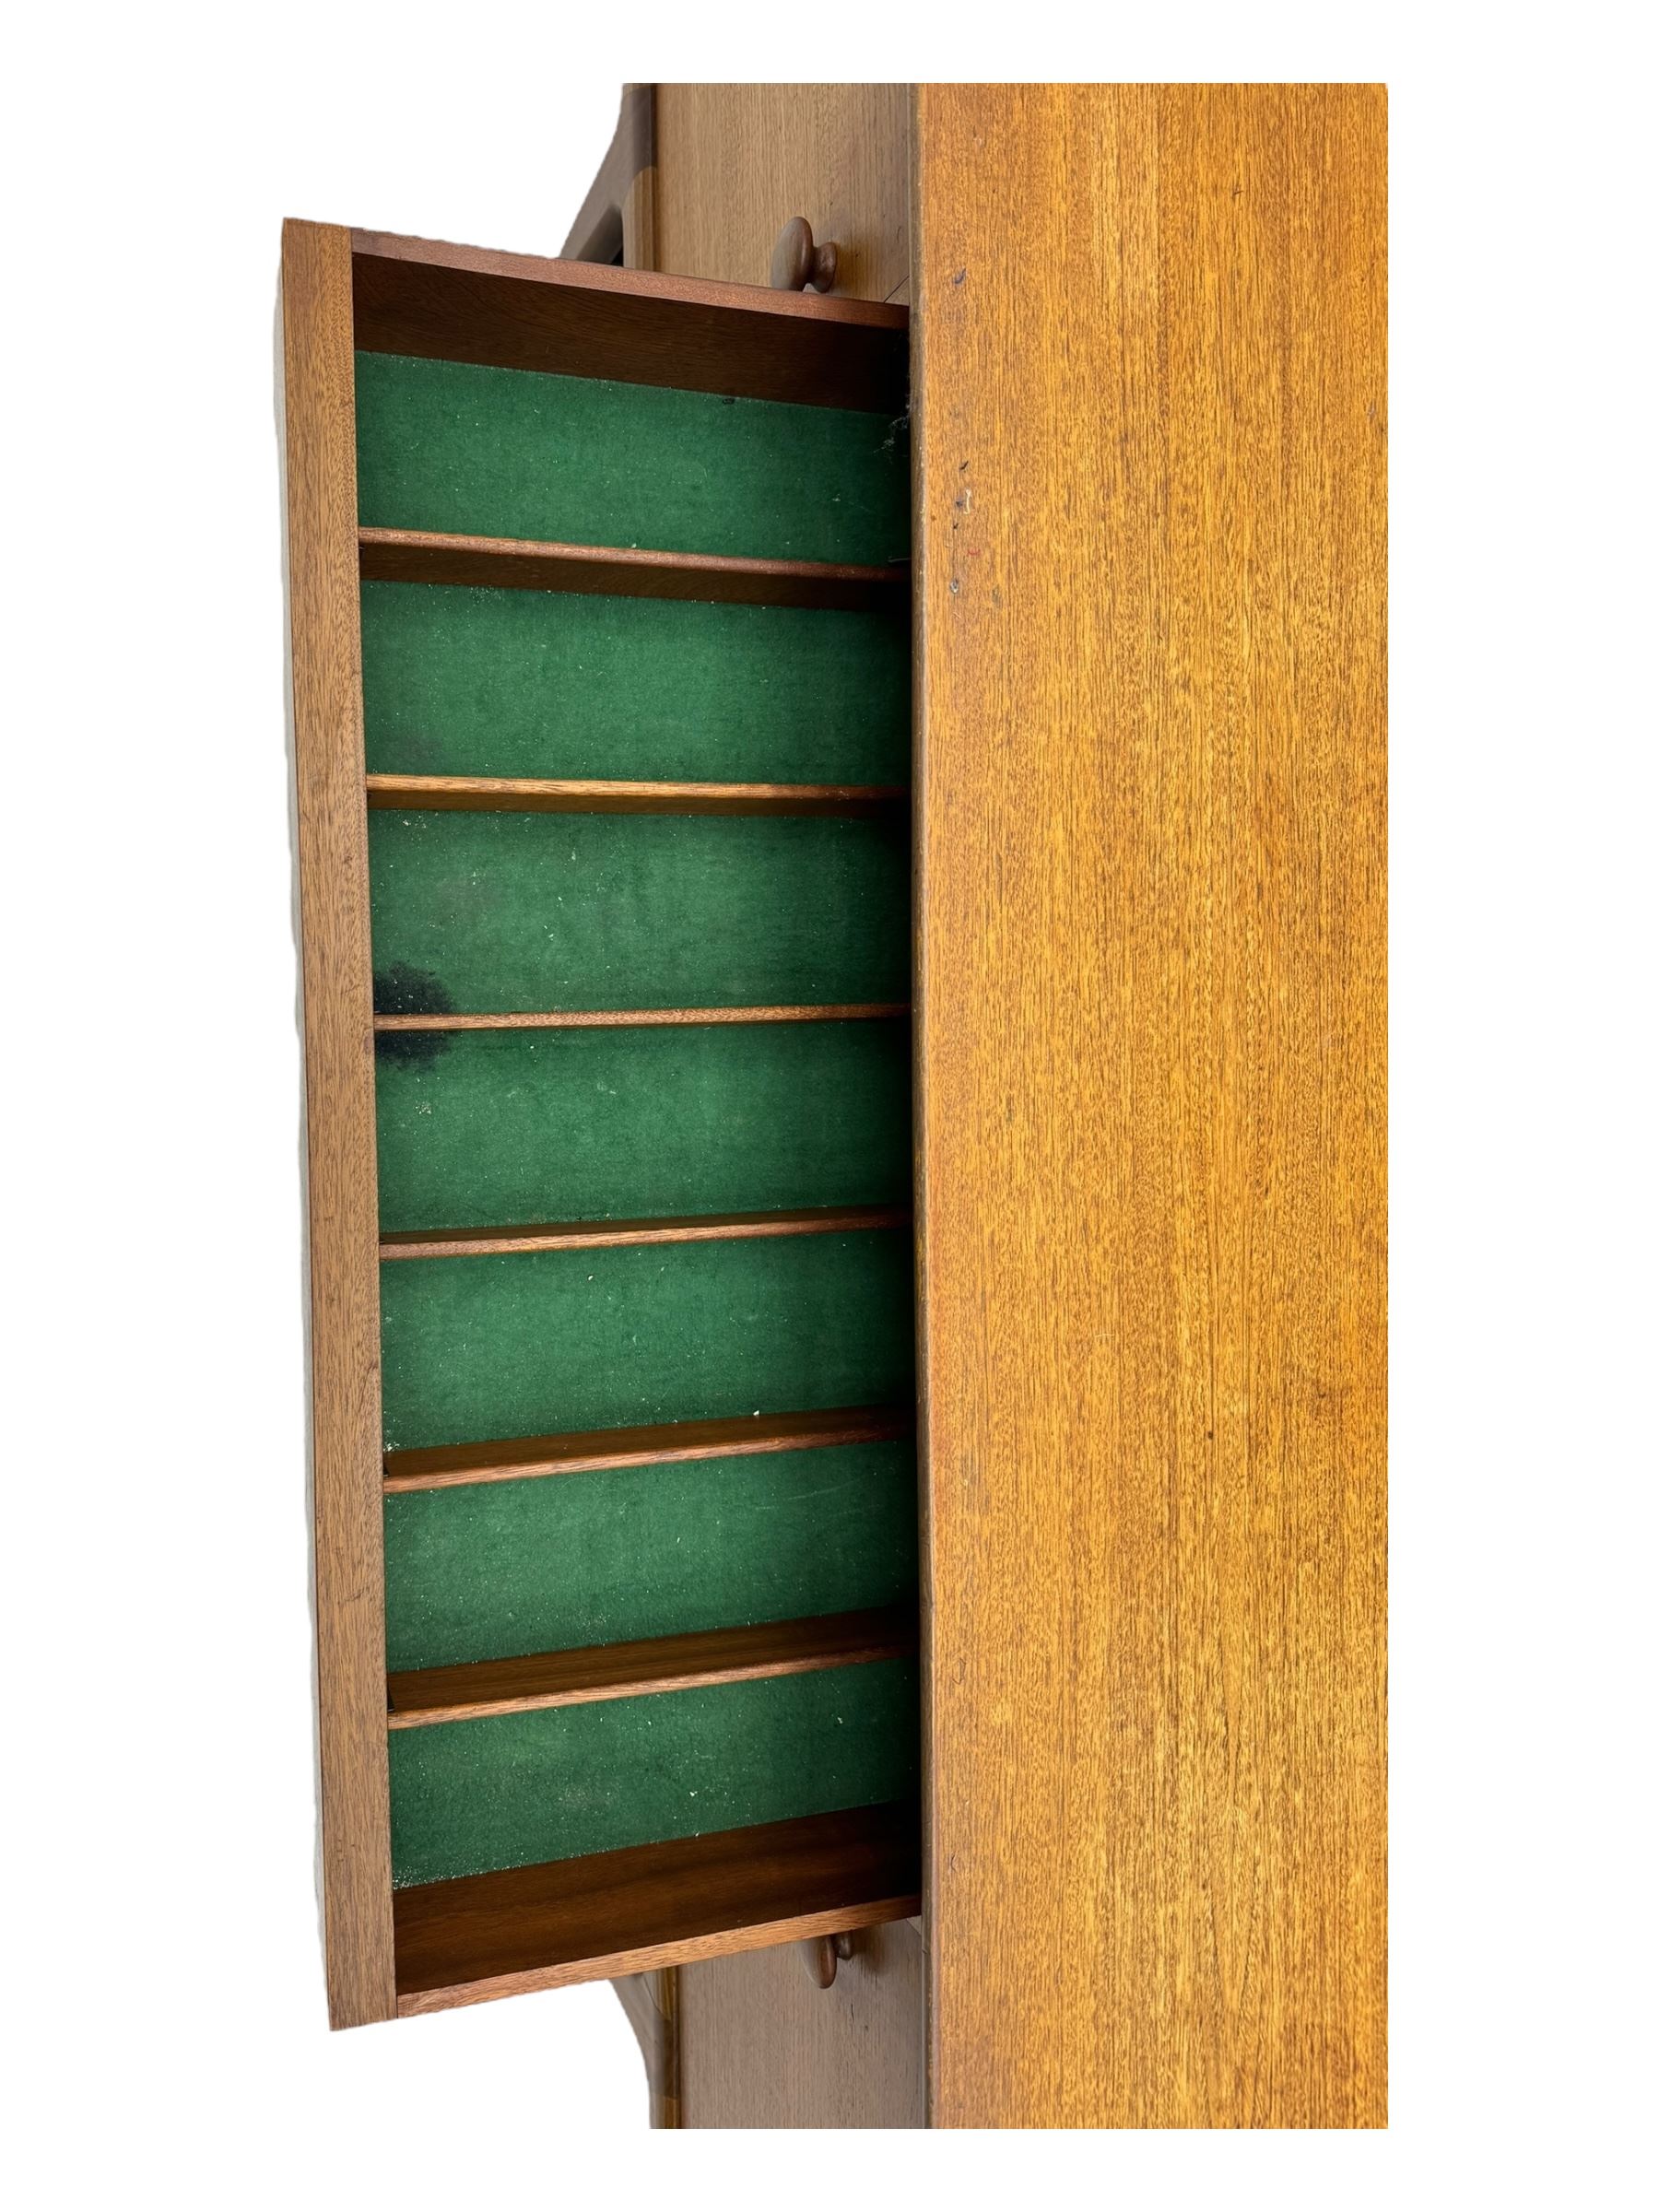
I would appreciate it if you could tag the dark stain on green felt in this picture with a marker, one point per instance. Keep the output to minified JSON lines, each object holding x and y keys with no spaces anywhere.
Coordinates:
{"x":401,"y":989}
{"x":476,"y":683}
{"x":468,"y":1796}
{"x":571,"y":1125}
{"x":506,"y":453}
{"x":503,"y":1568}
{"x":532,"y":1343}
{"x":524,"y":912}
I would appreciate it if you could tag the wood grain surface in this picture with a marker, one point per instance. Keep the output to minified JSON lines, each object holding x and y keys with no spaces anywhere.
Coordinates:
{"x":1150,"y":1049}
{"x":734,"y":162}
{"x":321,"y":467}
{"x":572,"y":318}
{"x":664,"y":1228}
{"x":759,"y":2045}
{"x":639,"y":1017}
{"x":651,"y":2003}
{"x":517,"y":564}
{"x":547,"y":794}
{"x":653,"y":1905}
{"x":648,"y":1666}
{"x":665,"y":1444}
{"x":601,"y":231}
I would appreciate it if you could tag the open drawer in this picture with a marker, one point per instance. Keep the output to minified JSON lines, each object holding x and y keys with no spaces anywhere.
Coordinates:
{"x":599,"y":595}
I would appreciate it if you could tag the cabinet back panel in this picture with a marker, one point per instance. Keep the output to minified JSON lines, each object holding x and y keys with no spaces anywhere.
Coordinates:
{"x":511,"y":912}
{"x":468,"y":1796}
{"x":504,"y":1568}
{"x":533,"y":1343}
{"x":505,"y":452}
{"x":481,"y":683}
{"x":486,"y":1127}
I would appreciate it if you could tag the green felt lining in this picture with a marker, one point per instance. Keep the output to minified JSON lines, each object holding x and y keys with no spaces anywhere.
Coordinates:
{"x":501,"y":1569}
{"x":503,"y":913}
{"x":468,"y":1796}
{"x":506,"y":453}
{"x":515,"y":912}
{"x":532,"y":1343}
{"x":482,"y":683}
{"x":512,"y":1126}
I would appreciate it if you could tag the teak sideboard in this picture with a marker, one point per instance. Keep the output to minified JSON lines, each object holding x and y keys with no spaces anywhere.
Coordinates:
{"x":841,"y":872}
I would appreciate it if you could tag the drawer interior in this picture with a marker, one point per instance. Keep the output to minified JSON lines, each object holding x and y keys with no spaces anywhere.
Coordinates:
{"x":640,"y":907}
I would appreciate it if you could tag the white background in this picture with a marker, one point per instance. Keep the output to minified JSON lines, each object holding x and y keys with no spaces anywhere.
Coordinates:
{"x":162,"y":1967}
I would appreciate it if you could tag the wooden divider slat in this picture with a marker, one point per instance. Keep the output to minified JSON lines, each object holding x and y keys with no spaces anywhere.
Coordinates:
{"x":521,"y":310}
{"x":483,"y":1689}
{"x":521,"y":794}
{"x":654,"y":1904}
{"x":639,"y":1017}
{"x":522,"y":564}
{"x":667,"y":1228}
{"x":447,"y":1466}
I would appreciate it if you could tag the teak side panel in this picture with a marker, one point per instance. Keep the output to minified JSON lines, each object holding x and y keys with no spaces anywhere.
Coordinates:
{"x":651,"y":2002}
{"x":734,"y":162}
{"x":1151,"y":824}
{"x":325,"y":647}
{"x":609,"y":221}
{"x":761,"y":2045}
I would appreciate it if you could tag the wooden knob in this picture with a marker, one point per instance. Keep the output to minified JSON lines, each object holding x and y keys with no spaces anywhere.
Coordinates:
{"x":797,"y":264}
{"x":824,"y":1953}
